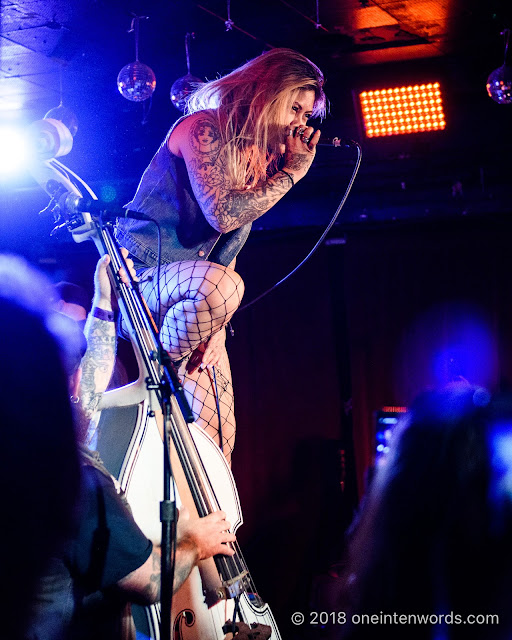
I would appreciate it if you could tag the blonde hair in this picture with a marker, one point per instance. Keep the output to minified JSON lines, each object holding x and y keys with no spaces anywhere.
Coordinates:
{"x":248,"y":103}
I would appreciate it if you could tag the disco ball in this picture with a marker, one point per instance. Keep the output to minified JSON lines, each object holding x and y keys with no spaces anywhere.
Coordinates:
{"x":182,"y":89}
{"x":499,"y":85}
{"x":66,"y":116}
{"x":136,"y":81}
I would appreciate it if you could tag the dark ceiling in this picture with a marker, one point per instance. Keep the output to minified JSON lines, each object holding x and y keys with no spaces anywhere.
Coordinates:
{"x":82,"y":45}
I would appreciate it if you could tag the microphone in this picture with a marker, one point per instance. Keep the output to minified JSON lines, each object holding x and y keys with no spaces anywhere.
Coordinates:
{"x":76,"y":204}
{"x":326,"y":141}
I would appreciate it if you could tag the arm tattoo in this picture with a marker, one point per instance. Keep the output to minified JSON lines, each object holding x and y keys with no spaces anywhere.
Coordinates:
{"x":298,"y":161}
{"x":97,"y":363}
{"x":152,"y":589}
{"x":226,"y":208}
{"x":185,"y":561}
{"x":205,"y":139}
{"x":144,"y":583}
{"x":236,"y":208}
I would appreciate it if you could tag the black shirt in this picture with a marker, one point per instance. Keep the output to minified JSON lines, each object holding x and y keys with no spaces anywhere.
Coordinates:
{"x":78,"y":593}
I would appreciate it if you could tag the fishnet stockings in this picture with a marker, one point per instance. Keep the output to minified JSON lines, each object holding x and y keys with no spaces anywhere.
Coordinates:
{"x":200,"y":391}
{"x":198,"y":299}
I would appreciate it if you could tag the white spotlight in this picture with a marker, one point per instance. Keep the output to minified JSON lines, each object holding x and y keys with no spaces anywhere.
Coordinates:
{"x":13,"y":150}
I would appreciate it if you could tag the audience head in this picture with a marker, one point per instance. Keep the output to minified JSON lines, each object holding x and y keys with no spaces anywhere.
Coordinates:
{"x":434,"y":532}
{"x":73,"y":301}
{"x":39,"y":474}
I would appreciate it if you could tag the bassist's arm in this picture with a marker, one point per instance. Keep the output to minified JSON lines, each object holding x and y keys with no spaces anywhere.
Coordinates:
{"x":197,"y":540}
{"x":100,"y":332}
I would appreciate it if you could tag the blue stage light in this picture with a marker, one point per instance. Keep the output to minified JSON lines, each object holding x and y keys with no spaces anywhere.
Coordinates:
{"x":14,"y":153}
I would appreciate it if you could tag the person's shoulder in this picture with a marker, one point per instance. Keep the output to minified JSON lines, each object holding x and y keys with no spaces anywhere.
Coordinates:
{"x":94,"y":479}
{"x":209,"y":115}
{"x":186,"y":123}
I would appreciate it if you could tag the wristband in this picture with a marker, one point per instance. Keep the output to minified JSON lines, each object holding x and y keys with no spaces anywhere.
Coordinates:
{"x":101,"y":314}
{"x":289,"y":176}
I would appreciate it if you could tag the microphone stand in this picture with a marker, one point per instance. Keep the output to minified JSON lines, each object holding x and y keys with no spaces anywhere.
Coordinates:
{"x":170,"y":385}
{"x":168,"y":542}
{"x":166,"y":385}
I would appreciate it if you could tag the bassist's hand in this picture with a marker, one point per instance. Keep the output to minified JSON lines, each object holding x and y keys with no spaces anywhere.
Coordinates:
{"x":207,"y":536}
{"x":102,"y":285}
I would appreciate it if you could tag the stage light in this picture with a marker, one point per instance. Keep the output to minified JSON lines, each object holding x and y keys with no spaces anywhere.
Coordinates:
{"x":383,"y":110}
{"x":11,"y":108}
{"x":13,"y":150}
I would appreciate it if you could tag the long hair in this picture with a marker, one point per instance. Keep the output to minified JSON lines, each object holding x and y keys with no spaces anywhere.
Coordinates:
{"x":248,"y":103}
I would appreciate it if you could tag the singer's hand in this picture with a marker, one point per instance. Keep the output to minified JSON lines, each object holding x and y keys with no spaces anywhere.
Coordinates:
{"x":300,"y":150}
{"x":208,"y":354}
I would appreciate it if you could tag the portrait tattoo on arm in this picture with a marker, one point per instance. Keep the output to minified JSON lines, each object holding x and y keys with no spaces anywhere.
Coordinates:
{"x":205,"y":138}
{"x":224,"y":207}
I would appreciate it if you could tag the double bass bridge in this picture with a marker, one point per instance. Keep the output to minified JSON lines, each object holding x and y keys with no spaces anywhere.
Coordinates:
{"x":231,"y":588}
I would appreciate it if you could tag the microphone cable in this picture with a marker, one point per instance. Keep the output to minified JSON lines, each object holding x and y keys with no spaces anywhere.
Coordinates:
{"x":322,"y":237}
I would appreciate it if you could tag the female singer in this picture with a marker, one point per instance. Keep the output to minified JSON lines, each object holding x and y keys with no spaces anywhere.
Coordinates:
{"x":244,"y":143}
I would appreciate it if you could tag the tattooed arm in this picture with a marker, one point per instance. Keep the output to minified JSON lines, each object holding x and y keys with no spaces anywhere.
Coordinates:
{"x":143,"y":586}
{"x":198,"y":141}
{"x":98,"y":361}
{"x":197,"y":540}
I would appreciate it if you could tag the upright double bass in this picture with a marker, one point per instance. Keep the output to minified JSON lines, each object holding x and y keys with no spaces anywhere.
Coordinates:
{"x":222,"y":588}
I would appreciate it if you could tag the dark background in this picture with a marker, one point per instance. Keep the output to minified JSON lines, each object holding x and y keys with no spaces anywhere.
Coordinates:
{"x":411,"y":288}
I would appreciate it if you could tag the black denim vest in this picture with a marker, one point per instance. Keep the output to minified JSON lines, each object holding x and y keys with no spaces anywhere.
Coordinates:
{"x":165,"y":194}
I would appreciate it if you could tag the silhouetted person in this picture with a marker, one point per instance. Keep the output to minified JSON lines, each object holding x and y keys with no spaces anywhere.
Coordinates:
{"x":40,"y":469}
{"x":434,"y":536}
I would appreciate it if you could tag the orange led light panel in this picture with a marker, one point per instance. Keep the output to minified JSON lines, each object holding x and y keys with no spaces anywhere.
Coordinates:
{"x":400,"y":110}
